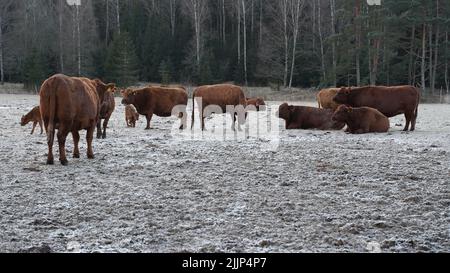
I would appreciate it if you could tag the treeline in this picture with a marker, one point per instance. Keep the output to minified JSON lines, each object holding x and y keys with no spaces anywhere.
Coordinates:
{"x":256,"y":42}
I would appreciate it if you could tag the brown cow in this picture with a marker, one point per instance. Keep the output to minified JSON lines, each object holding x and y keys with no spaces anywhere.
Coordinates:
{"x":220,"y":95}
{"x":325,"y":98}
{"x":362,"y":120}
{"x":35,"y":116}
{"x":131,"y":116}
{"x":305,"y":117}
{"x":390,"y":101}
{"x":157,"y":100}
{"x":70,"y":104}
{"x":106,"y":110}
{"x":257,"y":102}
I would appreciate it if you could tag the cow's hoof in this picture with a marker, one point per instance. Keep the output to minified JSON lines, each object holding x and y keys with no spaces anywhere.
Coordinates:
{"x":99,"y":136}
{"x":91,"y":156}
{"x":50,"y":162}
{"x":64,"y":162}
{"x":103,"y":136}
{"x":76,"y":155}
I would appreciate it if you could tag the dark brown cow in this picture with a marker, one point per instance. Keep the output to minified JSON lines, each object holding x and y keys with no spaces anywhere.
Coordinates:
{"x":305,"y":117}
{"x":325,"y":98}
{"x":390,"y":101}
{"x":70,"y":104}
{"x":106,"y":110}
{"x":156,"y":100}
{"x":35,"y":116}
{"x":131,"y":116}
{"x":220,"y":95}
{"x":257,"y":102}
{"x":361,"y":120}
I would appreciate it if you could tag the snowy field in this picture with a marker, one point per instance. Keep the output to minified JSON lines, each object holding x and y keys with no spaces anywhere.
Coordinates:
{"x":159,"y":191}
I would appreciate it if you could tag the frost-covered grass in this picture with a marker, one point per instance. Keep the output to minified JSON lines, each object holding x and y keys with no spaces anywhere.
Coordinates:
{"x":152,"y":191}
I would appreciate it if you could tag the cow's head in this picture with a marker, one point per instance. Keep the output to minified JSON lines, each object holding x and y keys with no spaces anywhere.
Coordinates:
{"x":24,"y":121}
{"x":342,"y":112}
{"x":342,"y":96}
{"x":103,"y":88}
{"x":259,"y":102}
{"x":129,"y":96}
{"x":136,"y":116}
{"x":284,"y":111}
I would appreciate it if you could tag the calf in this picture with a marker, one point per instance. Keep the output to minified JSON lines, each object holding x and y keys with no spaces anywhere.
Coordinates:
{"x":257,"y":102}
{"x":325,"y":98}
{"x":362,"y":120}
{"x":106,"y":109}
{"x":304,"y":117}
{"x":131,"y":116}
{"x":35,"y":116}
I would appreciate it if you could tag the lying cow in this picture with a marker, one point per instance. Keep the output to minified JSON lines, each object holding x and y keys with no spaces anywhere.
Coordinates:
{"x":156,"y":100}
{"x":220,"y":95}
{"x":106,"y":110}
{"x":70,"y":104}
{"x":131,"y":116}
{"x":325,"y":98}
{"x":362,"y":120}
{"x":390,"y":101}
{"x":304,"y":117}
{"x":35,"y":116}
{"x":257,"y":102}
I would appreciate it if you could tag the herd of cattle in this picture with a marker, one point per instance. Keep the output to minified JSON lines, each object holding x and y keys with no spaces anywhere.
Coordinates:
{"x":71,"y":104}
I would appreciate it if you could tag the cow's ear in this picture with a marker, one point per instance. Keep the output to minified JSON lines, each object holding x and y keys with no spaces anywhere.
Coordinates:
{"x":110,"y":87}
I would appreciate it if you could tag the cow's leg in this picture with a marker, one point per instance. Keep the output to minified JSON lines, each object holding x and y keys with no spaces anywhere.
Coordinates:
{"x":105,"y":125}
{"x":34,"y":126}
{"x":128,"y":122}
{"x":62,"y":135}
{"x":40,"y":125}
{"x":183,"y":120}
{"x":99,"y":128}
{"x":89,"y":138}
{"x":50,"y":138}
{"x":408,"y":117}
{"x":149,"y":118}
{"x":76,"y":140}
{"x":413,"y":120}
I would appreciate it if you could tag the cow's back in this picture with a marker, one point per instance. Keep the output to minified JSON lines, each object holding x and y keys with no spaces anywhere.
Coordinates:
{"x":164,"y":99}
{"x":390,"y":101}
{"x":221,"y":95}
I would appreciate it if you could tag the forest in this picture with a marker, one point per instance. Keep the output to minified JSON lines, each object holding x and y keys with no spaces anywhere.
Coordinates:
{"x":283,"y":43}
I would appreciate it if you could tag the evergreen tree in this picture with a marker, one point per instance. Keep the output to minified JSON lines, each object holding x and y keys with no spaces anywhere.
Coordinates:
{"x":35,"y":70}
{"x":165,"y":70}
{"x":121,"y":63}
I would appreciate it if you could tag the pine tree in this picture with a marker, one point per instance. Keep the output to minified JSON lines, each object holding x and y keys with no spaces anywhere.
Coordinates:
{"x":121,"y":63}
{"x":165,"y":70}
{"x":35,"y":70}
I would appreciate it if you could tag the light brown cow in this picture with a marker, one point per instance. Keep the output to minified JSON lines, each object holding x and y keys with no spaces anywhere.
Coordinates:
{"x":35,"y":116}
{"x":220,"y":95}
{"x":131,"y":115}
{"x":157,"y":100}
{"x":70,"y":104}
{"x":106,"y":110}
{"x":325,"y":98}
{"x":257,"y":102}
{"x":361,"y":120}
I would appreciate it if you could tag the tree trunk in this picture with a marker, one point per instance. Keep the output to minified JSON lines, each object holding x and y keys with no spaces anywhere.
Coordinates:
{"x":2,"y":73}
{"x":436,"y":51}
{"x":107,"y":23}
{"x":411,"y":55}
{"x":172,"y":17}
{"x":333,"y":44}
{"x":239,"y":30}
{"x":446,"y":78}
{"x":286,"y":42}
{"x":260,"y":20}
{"x":296,"y":21}
{"x":224,"y":23}
{"x":197,"y":33}
{"x":245,"y":41}
{"x":314,"y":26}
{"x":60,"y":34}
{"x":358,"y":42}
{"x":423,"y":60}
{"x":322,"y":55}
{"x":79,"y":41}
{"x":118,"y":16}
{"x":430,"y":57}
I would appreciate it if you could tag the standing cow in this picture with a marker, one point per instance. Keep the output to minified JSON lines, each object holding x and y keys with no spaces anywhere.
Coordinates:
{"x":220,"y":95}
{"x":70,"y":104}
{"x":156,"y":100}
{"x":390,"y":101}
{"x":325,"y":98}
{"x":106,"y":110}
{"x":35,"y":116}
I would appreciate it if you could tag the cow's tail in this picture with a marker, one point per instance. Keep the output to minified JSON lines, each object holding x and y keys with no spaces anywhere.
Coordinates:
{"x":51,"y":108}
{"x":193,"y":107}
{"x":416,"y":111}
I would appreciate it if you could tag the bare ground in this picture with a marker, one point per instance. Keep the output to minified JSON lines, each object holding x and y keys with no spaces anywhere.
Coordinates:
{"x":152,"y":191}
